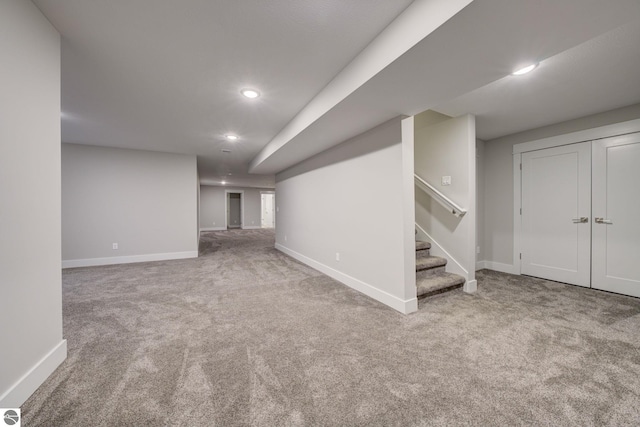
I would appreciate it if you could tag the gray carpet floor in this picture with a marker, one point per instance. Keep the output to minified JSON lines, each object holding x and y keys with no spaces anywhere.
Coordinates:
{"x":245,"y":335}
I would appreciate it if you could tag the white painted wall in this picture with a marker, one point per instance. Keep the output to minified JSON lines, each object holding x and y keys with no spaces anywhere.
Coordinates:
{"x":144,"y":201}
{"x":355,"y":199}
{"x":212,"y":206}
{"x":498,"y":180}
{"x":31,"y":344}
{"x":448,"y":148}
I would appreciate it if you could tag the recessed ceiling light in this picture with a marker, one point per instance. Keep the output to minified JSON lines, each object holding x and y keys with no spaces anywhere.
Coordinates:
{"x":224,"y":182}
{"x":231,"y":137}
{"x":525,"y":70}
{"x":250,"y":93}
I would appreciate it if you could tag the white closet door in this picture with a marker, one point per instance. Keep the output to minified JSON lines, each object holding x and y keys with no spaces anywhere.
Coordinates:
{"x":556,"y":207}
{"x":616,"y":214}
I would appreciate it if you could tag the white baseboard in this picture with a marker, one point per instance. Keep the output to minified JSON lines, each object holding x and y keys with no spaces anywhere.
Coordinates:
{"x":91,"y":262}
{"x":403,"y":306}
{"x":497,"y":266}
{"x":470,"y":286}
{"x":213,"y":228}
{"x":29,"y":383}
{"x":251,"y":227}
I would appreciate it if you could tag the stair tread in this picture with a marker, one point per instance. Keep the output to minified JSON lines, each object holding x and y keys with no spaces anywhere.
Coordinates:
{"x":425,"y":263}
{"x":420,"y":245}
{"x":438,"y":283}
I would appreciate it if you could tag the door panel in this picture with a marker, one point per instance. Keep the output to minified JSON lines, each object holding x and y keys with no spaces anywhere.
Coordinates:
{"x":616,"y":199}
{"x":267,"y":211}
{"x":556,"y":193}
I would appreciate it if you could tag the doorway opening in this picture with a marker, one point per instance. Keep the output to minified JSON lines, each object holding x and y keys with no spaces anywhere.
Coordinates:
{"x":267,"y":209}
{"x":234,"y":209}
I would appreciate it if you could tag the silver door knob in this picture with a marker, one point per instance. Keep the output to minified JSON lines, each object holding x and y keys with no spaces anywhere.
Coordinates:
{"x":580,"y":220}
{"x":603,"y":221}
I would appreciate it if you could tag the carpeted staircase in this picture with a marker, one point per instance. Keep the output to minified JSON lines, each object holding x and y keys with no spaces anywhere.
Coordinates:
{"x":431,"y":277}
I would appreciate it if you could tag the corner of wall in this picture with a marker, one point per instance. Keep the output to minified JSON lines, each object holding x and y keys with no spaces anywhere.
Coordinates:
{"x":31,"y":340}
{"x":30,"y":381}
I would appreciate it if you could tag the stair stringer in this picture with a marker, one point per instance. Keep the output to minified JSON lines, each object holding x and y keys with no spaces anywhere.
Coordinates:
{"x":453,"y":266}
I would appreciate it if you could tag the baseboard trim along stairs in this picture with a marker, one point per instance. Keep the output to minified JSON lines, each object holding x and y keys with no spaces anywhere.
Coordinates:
{"x":431,"y":277}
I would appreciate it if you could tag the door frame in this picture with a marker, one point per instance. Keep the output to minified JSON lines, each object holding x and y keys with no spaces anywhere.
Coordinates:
{"x":616,"y":129}
{"x":226,"y":207}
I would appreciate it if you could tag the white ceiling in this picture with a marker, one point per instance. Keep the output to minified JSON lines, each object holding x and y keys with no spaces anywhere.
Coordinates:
{"x":483,"y":43}
{"x":165,"y":75}
{"x":598,"y":75}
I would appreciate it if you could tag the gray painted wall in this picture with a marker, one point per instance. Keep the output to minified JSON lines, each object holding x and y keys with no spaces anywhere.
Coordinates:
{"x":198,"y":210}
{"x":355,"y":199}
{"x":498,"y":178}
{"x":480,"y":203}
{"x":447,"y":147}
{"x":143,"y":200}
{"x":212,"y":206}
{"x":30,"y":283}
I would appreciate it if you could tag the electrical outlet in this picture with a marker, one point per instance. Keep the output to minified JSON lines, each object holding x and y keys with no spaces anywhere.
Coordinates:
{"x":337,"y":256}
{"x":214,"y":223}
{"x":285,"y":238}
{"x":477,"y":249}
{"x":446,"y":180}
{"x":115,"y":246}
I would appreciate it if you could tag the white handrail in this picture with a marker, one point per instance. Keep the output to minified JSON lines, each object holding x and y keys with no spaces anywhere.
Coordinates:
{"x":439,"y":197}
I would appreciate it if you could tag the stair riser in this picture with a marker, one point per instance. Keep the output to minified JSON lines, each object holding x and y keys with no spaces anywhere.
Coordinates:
{"x":431,"y":276}
{"x":440,"y":291}
{"x":423,"y":253}
{"x":421,"y":274}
